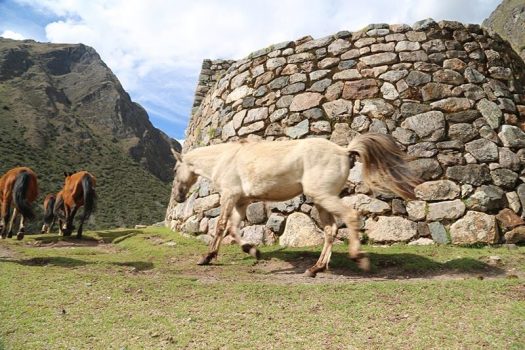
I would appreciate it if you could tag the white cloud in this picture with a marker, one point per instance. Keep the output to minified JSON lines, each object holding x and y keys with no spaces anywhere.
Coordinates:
{"x":9,"y":34}
{"x":156,"y":47}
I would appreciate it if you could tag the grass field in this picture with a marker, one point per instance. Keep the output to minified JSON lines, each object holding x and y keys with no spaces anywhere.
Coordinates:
{"x":141,"y":289}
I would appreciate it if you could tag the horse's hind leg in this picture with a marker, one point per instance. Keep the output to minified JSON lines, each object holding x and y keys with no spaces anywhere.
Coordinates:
{"x":233,"y":227}
{"x":351,"y":218}
{"x":80,"y":227}
{"x":330,"y":232}
{"x":12,"y":223}
{"x":226,"y":209}
{"x":22,"y":228}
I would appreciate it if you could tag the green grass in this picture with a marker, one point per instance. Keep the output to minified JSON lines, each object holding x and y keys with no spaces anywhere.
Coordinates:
{"x":141,"y":289}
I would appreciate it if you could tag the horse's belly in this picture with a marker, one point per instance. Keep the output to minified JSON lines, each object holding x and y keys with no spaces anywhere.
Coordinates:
{"x":273,"y":192}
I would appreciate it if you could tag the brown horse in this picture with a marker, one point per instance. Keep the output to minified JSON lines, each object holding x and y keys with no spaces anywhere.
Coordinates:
{"x":49,"y":214}
{"x":78,"y":191}
{"x":279,"y":170}
{"x":18,"y":188}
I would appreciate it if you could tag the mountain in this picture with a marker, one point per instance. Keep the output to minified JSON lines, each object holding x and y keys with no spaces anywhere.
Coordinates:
{"x":62,"y":109}
{"x":508,"y":20}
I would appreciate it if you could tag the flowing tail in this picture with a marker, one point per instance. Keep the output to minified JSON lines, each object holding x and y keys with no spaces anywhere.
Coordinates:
{"x":58,"y":208}
{"x":20,"y":189}
{"x":385,"y":166}
{"x":89,"y":196}
{"x":49,"y":211}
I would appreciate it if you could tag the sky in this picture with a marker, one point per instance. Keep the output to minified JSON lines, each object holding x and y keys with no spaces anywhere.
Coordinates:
{"x":156,"y":47}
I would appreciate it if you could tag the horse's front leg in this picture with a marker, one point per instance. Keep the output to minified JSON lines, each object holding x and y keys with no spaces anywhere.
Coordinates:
{"x":330,"y":232}
{"x":233,"y":227}
{"x":5,"y":217}
{"x":227,"y":204}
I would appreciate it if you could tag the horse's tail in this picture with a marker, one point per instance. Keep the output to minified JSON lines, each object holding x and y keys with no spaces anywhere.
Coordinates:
{"x":58,"y":207}
{"x":90,"y":196}
{"x":49,"y":211}
{"x":385,"y":166}
{"x":20,"y":191}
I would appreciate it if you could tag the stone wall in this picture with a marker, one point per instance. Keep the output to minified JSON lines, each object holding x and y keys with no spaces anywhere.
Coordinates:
{"x":450,"y":94}
{"x":211,"y":71}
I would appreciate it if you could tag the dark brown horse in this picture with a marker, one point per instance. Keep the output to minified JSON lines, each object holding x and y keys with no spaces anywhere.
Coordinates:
{"x":18,"y":188}
{"x":49,"y":214}
{"x":78,"y":191}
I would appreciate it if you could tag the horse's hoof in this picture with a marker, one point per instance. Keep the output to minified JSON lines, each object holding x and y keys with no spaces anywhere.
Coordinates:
{"x":10,"y":235}
{"x":364,"y":263}
{"x":310,"y":273}
{"x":19,"y":236}
{"x":255,"y":253}
{"x":205,"y":260}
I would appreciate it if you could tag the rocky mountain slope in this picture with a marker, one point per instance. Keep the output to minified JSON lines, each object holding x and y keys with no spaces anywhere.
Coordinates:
{"x":508,"y":20}
{"x":62,"y":109}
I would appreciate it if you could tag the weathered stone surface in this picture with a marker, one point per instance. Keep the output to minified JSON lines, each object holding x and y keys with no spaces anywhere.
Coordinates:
{"x":486,"y":198}
{"x":360,"y":123}
{"x":448,"y":76}
{"x":394,"y":75}
{"x":416,"y":78}
{"x":512,"y":136}
{"x":305,"y":101}
{"x":474,"y":227}
{"x":426,"y":168}
{"x":452,"y":104}
{"x":422,"y":241}
{"x":376,"y":108}
{"x":287,"y":206}
{"x":438,"y":232}
{"x":206,"y":203}
{"x":483,"y":150}
{"x":361,"y":89}
{"x":338,"y":46}
{"x":422,"y":150}
{"x":404,"y":136}
{"x":253,"y":234}
{"x":517,"y":235}
{"x":472,"y":174}
{"x":436,"y":91}
{"x":256,"y":114}
{"x":389,"y":91}
{"x":342,"y":134}
{"x":300,"y":231}
{"x":447,"y":210}
{"x":256,"y":213}
{"x":491,"y":112}
{"x":474,"y":76}
{"x":251,"y":128}
{"x":191,"y":226}
{"x":504,"y":178}
{"x":348,"y":74}
{"x":513,"y":200}
{"x":426,"y":125}
{"x":298,"y":130}
{"x":276,"y":223}
{"x":509,"y":219}
{"x":366,"y":204}
{"x":437,"y":190}
{"x":379,"y":59}
{"x":390,"y":229}
{"x":462,"y":131}
{"x":338,"y":109}
{"x":416,"y":210}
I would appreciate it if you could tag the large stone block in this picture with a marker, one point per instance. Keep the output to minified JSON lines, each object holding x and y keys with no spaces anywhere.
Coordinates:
{"x":474,"y":227}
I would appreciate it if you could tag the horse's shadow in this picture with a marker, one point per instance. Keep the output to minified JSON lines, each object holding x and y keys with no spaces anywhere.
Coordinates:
{"x":382,"y":265}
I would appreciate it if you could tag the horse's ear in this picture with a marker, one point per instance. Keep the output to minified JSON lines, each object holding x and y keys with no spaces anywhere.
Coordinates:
{"x":177,"y":155}
{"x":65,"y":174}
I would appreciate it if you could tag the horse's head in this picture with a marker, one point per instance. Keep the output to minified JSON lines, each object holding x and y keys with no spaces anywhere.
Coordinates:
{"x":185,"y":177}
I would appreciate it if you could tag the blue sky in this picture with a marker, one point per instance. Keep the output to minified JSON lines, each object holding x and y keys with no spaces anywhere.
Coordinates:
{"x":156,"y":47}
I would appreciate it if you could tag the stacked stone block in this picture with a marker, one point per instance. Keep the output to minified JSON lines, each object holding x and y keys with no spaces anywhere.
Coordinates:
{"x":451,"y":95}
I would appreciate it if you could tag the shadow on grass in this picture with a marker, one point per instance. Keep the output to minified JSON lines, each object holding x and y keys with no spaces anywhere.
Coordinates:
{"x":50,"y":260}
{"x":116,"y":236}
{"x":55,"y":240}
{"x":136,"y":265}
{"x":387,"y":265}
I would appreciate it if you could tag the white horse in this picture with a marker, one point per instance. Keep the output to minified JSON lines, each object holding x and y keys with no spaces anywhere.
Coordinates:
{"x":245,"y":171}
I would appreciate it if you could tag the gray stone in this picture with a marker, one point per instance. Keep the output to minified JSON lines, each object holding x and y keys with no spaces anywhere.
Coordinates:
{"x":404,"y":136}
{"x":394,"y":75}
{"x":206,"y":203}
{"x":483,"y":150}
{"x":300,"y":231}
{"x":256,"y":114}
{"x":474,"y":227}
{"x":276,"y":223}
{"x":504,"y":178}
{"x":321,"y":126}
{"x":436,"y":91}
{"x":253,"y":234}
{"x":239,"y":93}
{"x":452,"y":104}
{"x":474,"y":76}
{"x":473,"y":174}
{"x":338,"y":109}
{"x":378,"y":126}
{"x":409,"y":109}
{"x":426,"y":125}
{"x":462,"y":116}
{"x":390,"y":229}
{"x":462,"y":131}
{"x":521,"y":194}
{"x":422,"y":150}
{"x":416,"y":78}
{"x":348,"y":74}
{"x":366,"y":204}
{"x":342,"y":134}
{"x":379,"y":59}
{"x":191,"y":226}
{"x":313,"y":113}
{"x":438,"y":233}
{"x":389,"y":91}
{"x":448,"y":76}
{"x":426,"y":168}
{"x":447,"y":210}
{"x":376,"y":108}
{"x":413,"y":56}
{"x":338,"y":46}
{"x":293,"y":88}
{"x":398,"y":207}
{"x":250,"y":129}
{"x":287,"y":206}
{"x":256,"y":213}
{"x":273,"y":63}
{"x":407,"y":46}
{"x":491,"y":112}
{"x":486,"y":198}
{"x":278,"y":114}
{"x":228,"y":131}
{"x":437,"y":190}
{"x":517,"y":235}
{"x":321,"y":85}
{"x":328,"y":62}
{"x":416,"y":210}
{"x":360,"y":123}
{"x":298,"y":130}
{"x":514,"y":201}
{"x":347,"y":64}
{"x":424,"y":24}
{"x":512,"y":136}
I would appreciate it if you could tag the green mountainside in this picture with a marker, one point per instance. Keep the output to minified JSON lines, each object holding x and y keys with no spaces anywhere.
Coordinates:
{"x":508,"y":20}
{"x":62,"y":109}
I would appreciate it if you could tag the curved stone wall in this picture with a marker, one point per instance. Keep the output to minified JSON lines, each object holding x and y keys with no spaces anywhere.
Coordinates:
{"x":450,"y":94}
